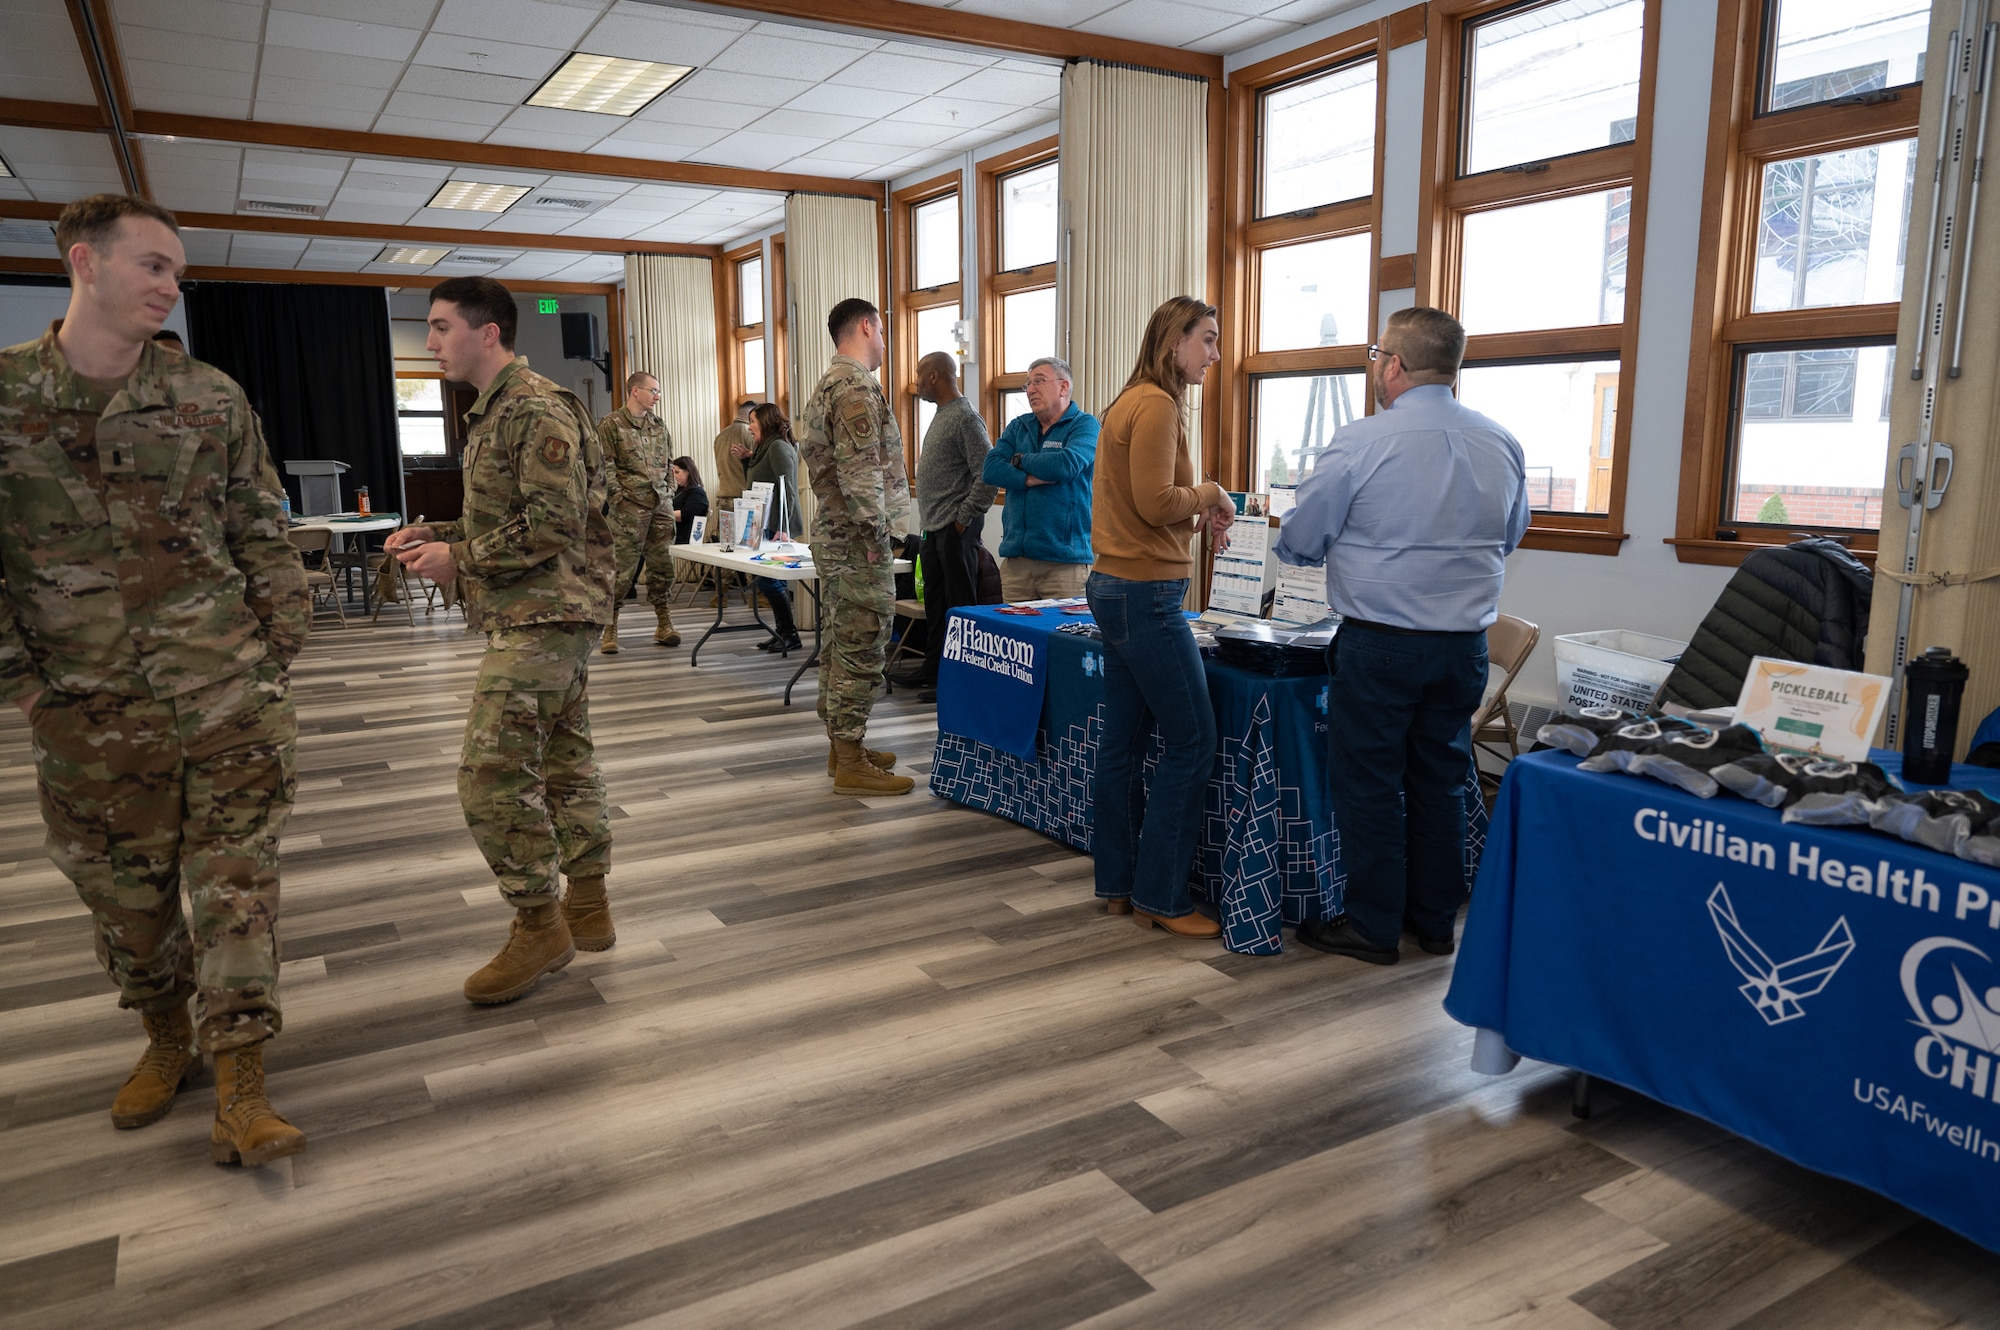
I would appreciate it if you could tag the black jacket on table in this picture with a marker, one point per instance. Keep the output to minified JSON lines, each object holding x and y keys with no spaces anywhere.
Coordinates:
{"x":1806,"y":602}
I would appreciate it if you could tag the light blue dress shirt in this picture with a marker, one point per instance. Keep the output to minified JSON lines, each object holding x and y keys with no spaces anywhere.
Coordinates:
{"x":1413,"y":512}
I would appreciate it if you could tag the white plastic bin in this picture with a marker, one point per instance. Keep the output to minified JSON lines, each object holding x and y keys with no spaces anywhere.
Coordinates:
{"x":1613,"y":667}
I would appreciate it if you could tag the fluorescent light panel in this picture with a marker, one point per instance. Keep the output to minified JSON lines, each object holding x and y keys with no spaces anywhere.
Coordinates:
{"x":472,"y":196}
{"x":410,"y":254}
{"x":606,"y":84}
{"x":6,"y":170}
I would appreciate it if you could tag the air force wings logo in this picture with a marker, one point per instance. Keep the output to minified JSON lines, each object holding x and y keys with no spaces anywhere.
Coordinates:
{"x":1775,"y":990}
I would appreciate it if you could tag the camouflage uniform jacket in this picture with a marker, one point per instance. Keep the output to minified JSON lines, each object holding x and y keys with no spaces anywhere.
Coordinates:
{"x":533,"y":546}
{"x":154,"y":561}
{"x":854,"y":455}
{"x":640,"y":452}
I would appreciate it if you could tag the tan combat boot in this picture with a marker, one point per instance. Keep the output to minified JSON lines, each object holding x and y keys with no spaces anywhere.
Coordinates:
{"x":853,"y":773}
{"x":610,"y":644}
{"x":877,"y":757}
{"x":538,"y":944}
{"x":248,"y":1131}
{"x":168,"y":1063}
{"x":588,"y":914}
{"x":664,"y":633}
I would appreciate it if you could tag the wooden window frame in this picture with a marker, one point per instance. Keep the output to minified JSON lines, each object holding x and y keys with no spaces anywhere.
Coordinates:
{"x":995,"y":285}
{"x":779,"y":304}
{"x":1448,"y":198}
{"x":910,"y":300}
{"x":1250,"y":236}
{"x":737,"y":333}
{"x":1741,"y":141}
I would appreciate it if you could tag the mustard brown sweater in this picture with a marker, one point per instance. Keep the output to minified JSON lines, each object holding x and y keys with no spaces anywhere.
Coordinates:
{"x":1144,"y":497}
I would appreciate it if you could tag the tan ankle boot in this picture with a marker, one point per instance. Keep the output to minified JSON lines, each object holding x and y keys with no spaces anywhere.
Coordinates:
{"x":877,"y":757}
{"x":663,"y":632}
{"x":853,"y":773}
{"x":610,"y":645}
{"x":248,"y":1131}
{"x":588,"y":913}
{"x":168,"y":1063}
{"x":538,"y":944}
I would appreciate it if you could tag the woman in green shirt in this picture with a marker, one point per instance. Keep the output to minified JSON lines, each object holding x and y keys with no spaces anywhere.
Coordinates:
{"x":774,"y":458}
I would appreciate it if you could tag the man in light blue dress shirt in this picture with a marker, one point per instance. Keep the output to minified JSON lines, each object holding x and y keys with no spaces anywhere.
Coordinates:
{"x":1413,"y":512}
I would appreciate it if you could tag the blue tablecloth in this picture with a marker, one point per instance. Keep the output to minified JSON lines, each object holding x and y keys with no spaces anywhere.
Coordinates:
{"x":1270,"y":853}
{"x":1829,"y":993}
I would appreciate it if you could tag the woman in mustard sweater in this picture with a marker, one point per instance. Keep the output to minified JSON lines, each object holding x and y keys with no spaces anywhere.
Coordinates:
{"x":1145,"y":509}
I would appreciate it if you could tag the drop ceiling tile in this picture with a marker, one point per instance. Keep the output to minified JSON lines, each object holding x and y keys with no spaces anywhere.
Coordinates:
{"x":899,"y":134}
{"x":1027,"y":118}
{"x":318,"y":93}
{"x":534,"y":138}
{"x":827,"y":33}
{"x":672,"y":109}
{"x":206,"y":248}
{"x":760,"y":52}
{"x":154,"y":76}
{"x":226,"y":19}
{"x":900,"y":73}
{"x":1023,"y":65}
{"x":1163,"y":22}
{"x":316,"y":32}
{"x":424,"y":110}
{"x":643,"y":134}
{"x":285,"y":63}
{"x":650,"y":37}
{"x":672,"y":196}
{"x":317,"y":117}
{"x":277,"y":164}
{"x":424,"y":127}
{"x":587,"y":125}
{"x":694,"y":18}
{"x":266,"y":251}
{"x":552,"y":22}
{"x":534,"y":267}
{"x":756,"y":152}
{"x":949,"y":54}
{"x":27,"y":148}
{"x":845,"y":99}
{"x":714,"y":85}
{"x":375,"y":214}
{"x":808,"y":124}
{"x":847,"y":154}
{"x":530,"y":223}
{"x":40,"y":58}
{"x":434,"y":172}
{"x":189,"y":103}
{"x":483,"y":55}
{"x":391,"y":13}
{"x":1050,"y":13}
{"x":182,"y":198}
{"x":594,"y":186}
{"x":1308,"y":11}
{"x":676,"y":232}
{"x":1011,"y":87}
{"x":28,"y":251}
{"x":435,"y":82}
{"x":1243,"y":36}
{"x":361,"y":250}
{"x":951,"y":113}
{"x":493,"y":175}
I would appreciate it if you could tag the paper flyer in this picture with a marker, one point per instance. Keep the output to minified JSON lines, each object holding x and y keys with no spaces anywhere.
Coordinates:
{"x":1246,"y":572}
{"x":1812,"y":709}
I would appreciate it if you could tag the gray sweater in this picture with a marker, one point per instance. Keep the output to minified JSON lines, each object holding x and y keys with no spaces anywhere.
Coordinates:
{"x":948,"y":486}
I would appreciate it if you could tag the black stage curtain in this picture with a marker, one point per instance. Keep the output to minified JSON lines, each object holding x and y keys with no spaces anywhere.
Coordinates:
{"x":316,"y":363}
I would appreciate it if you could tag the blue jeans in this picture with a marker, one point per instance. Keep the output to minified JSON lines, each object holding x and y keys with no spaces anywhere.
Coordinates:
{"x":1399,"y":741}
{"x":1144,"y":845}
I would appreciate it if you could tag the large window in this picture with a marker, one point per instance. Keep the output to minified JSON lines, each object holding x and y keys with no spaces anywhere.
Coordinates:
{"x":929,"y":270}
{"x":1537,"y":207}
{"x":420,"y":417}
{"x":1309,"y":129}
{"x":1793,"y":360}
{"x":747,"y":346}
{"x":1019,"y":241}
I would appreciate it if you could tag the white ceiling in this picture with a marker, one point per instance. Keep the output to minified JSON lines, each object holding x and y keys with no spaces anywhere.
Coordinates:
{"x":792,"y":97}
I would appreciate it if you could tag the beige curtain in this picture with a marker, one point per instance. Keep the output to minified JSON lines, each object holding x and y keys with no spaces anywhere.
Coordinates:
{"x":833,"y":250}
{"x":670,"y":301}
{"x":1133,"y":193}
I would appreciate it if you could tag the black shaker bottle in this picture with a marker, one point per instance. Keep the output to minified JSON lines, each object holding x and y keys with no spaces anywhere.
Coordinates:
{"x":1934,"y":683}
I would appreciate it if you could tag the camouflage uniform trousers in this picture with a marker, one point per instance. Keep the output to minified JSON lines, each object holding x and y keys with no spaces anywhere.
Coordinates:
{"x":636,"y":531}
{"x":141,"y":796}
{"x":528,"y":776}
{"x":858,"y":602}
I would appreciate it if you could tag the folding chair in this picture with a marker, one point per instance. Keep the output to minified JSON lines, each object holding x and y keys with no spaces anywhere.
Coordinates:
{"x":1509,"y":643}
{"x":319,"y":579}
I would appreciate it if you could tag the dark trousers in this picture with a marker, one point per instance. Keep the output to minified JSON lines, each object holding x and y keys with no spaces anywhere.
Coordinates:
{"x":1144,"y":841}
{"x":1399,"y":736}
{"x":951,"y":579}
{"x":780,"y":601}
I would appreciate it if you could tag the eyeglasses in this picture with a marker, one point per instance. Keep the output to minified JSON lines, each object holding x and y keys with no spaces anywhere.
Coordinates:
{"x":1043,"y":380}
{"x":1376,"y":351}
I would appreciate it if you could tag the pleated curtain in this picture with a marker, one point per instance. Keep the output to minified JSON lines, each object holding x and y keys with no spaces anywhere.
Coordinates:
{"x":1132,"y":187}
{"x":670,"y":301}
{"x":833,"y":250}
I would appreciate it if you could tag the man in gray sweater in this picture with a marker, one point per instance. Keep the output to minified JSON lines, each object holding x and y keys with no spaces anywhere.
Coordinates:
{"x":952,"y":502}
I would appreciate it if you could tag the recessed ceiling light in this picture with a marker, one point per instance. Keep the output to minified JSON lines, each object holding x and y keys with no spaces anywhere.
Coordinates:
{"x":605,"y":84}
{"x":410,"y":254}
{"x":472,"y":196}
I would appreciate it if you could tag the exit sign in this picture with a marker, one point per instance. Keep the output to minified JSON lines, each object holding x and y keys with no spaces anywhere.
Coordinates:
{"x":548,"y":305}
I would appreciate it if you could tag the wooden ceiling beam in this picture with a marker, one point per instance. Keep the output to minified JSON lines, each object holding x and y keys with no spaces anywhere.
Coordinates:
{"x":899,"y":18}
{"x":418,"y":281}
{"x":363,"y":143}
{"x":26,"y":114}
{"x":97,"y":43}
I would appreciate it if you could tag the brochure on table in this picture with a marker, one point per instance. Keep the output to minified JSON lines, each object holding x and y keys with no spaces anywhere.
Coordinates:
{"x":1246,"y":573}
{"x":1301,"y":596}
{"x":697,"y":529}
{"x":1812,"y":709}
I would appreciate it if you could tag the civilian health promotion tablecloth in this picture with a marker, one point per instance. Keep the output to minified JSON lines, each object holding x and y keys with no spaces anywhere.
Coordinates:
{"x":1830,"y":993}
{"x":1270,"y":852}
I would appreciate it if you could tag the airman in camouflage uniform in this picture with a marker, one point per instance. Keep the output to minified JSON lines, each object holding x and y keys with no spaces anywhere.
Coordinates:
{"x":854,"y":457}
{"x":640,"y":452}
{"x":152,"y":603}
{"x":533,"y":558}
